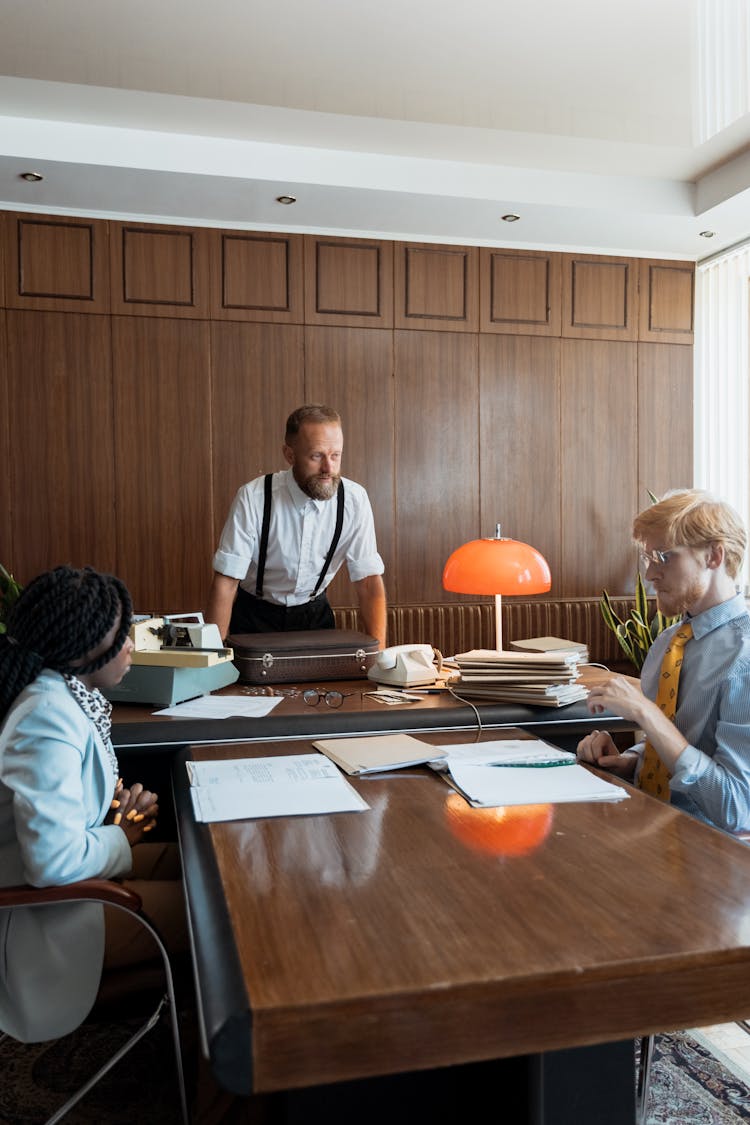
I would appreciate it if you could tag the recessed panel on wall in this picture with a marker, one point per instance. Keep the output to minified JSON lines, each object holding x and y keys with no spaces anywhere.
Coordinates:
{"x":349,"y":282}
{"x":520,"y":292}
{"x":665,"y":419}
{"x":600,"y":297}
{"x":56,"y":264}
{"x":667,"y":302}
{"x":437,"y":457}
{"x":256,"y":277}
{"x":436,"y":287}
{"x":6,"y":525}
{"x":159,"y":271}
{"x":519,"y":439}
{"x":599,"y":466}
{"x":163,"y":457}
{"x":257,"y":381}
{"x":351,"y":369}
{"x":60,"y":425}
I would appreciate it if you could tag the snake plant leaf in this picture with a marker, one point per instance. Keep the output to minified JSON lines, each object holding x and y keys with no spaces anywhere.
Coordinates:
{"x":9,"y":594}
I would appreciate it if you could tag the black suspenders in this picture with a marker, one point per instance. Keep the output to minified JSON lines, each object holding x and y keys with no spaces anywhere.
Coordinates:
{"x":263,"y":548}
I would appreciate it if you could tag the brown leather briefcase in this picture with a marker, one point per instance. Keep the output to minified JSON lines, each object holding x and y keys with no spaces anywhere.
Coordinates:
{"x":302,"y":656}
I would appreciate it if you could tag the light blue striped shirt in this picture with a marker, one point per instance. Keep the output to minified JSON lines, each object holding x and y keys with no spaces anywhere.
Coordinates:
{"x":712,"y":776}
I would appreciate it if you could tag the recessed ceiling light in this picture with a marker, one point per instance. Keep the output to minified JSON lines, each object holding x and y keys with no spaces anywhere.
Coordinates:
{"x":510,"y":217}
{"x":708,"y":233}
{"x":32,"y":177}
{"x":286,"y":199}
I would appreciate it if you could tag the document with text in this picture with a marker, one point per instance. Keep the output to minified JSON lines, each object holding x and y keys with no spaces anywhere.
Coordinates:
{"x":291,"y":785}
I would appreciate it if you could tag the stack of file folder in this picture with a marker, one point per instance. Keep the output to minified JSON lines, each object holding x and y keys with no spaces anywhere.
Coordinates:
{"x":546,"y":679}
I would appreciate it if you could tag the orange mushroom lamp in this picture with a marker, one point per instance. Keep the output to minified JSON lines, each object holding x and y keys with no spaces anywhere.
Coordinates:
{"x":497,"y":567}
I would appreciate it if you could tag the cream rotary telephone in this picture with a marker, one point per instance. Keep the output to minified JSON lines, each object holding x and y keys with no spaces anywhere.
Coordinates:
{"x":414,"y":665}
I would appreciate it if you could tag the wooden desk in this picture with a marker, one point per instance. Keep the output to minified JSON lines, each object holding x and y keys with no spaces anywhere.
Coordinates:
{"x":403,"y":939}
{"x":136,"y":728}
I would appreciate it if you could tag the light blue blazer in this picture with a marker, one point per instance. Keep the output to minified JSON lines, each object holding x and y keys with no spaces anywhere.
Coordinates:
{"x":56,"y":785}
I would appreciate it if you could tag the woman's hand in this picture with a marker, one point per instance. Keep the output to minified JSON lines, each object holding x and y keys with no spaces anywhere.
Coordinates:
{"x":135,"y":810}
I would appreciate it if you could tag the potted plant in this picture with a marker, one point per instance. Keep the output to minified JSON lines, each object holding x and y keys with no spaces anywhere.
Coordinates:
{"x":637,"y":632}
{"x":9,"y":592}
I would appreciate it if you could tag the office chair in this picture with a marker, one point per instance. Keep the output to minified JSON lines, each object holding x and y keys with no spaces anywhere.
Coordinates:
{"x":107,"y":892}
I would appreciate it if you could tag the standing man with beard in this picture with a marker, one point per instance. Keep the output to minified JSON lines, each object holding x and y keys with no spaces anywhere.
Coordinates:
{"x":699,"y":759}
{"x":288,"y":533}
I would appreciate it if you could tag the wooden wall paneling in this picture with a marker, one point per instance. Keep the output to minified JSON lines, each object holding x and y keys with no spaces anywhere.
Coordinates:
{"x":436,"y":287}
{"x":60,"y":423}
{"x":348,"y":281}
{"x":6,"y":227}
{"x":437,"y":457}
{"x":160,"y":270}
{"x":667,"y":302}
{"x":600,"y":297}
{"x":6,"y":523}
{"x":163,"y":458}
{"x":520,"y":292}
{"x":257,"y":380}
{"x":599,"y":467}
{"x":256,"y":277}
{"x":665,"y":419}
{"x":56,"y":263}
{"x":351,"y":369}
{"x":519,"y":442}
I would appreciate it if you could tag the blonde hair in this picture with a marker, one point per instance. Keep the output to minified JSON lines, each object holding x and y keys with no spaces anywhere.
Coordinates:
{"x":691,"y":517}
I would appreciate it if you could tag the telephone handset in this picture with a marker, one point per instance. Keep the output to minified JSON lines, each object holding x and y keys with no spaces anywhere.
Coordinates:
{"x":406,"y":665}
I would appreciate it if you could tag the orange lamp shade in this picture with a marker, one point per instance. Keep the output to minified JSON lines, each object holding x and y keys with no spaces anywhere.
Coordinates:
{"x":496,"y":566}
{"x":511,"y":830}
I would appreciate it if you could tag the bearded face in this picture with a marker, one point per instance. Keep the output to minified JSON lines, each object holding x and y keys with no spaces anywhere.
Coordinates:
{"x":315,"y":459}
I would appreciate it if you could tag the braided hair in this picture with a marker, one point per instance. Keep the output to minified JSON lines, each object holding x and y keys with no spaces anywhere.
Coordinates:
{"x":59,"y":617}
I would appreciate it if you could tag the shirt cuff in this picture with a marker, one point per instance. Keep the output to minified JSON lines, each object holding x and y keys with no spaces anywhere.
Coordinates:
{"x":365,"y":568}
{"x":233,"y":566}
{"x":688,"y":767}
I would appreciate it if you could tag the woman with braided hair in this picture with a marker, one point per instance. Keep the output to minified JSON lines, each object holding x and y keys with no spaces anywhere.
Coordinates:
{"x":64,"y":812}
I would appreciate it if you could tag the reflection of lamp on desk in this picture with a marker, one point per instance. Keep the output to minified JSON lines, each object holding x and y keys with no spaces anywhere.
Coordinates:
{"x":510,"y":830}
{"x":496,"y":566}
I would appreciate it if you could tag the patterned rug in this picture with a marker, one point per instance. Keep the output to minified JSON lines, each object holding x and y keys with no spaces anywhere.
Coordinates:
{"x":689,"y":1085}
{"x":36,"y":1079}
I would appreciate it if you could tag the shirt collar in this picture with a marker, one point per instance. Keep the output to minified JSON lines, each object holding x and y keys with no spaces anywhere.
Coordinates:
{"x":717,"y":615}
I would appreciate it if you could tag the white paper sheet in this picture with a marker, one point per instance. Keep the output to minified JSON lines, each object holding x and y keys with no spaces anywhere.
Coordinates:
{"x":223,"y":707}
{"x":292,"y":785}
{"x":493,"y":786}
{"x":517,"y":750}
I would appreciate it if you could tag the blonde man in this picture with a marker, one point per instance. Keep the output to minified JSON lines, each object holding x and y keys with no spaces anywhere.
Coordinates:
{"x":692,"y":546}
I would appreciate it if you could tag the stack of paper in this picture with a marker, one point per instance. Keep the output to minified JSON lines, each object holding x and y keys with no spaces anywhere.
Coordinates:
{"x":548,"y":679}
{"x":522,"y":772}
{"x":552,"y":644}
{"x":292,"y":785}
{"x":377,"y":753}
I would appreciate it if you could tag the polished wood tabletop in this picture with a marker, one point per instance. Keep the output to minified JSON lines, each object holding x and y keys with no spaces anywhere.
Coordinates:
{"x":136,"y":725}
{"x":423,"y":933}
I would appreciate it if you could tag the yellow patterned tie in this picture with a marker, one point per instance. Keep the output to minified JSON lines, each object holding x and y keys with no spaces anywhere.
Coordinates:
{"x":654,"y":776}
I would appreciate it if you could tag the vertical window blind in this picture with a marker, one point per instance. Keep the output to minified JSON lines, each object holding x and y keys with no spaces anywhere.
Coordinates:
{"x":722,"y":381}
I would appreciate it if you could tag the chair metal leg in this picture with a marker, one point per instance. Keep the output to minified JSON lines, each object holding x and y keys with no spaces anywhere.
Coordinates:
{"x":151,"y":1022}
{"x":642,"y":1078}
{"x":168,"y":998}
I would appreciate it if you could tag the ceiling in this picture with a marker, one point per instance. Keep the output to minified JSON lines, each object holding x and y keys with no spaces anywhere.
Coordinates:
{"x":411,"y":119}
